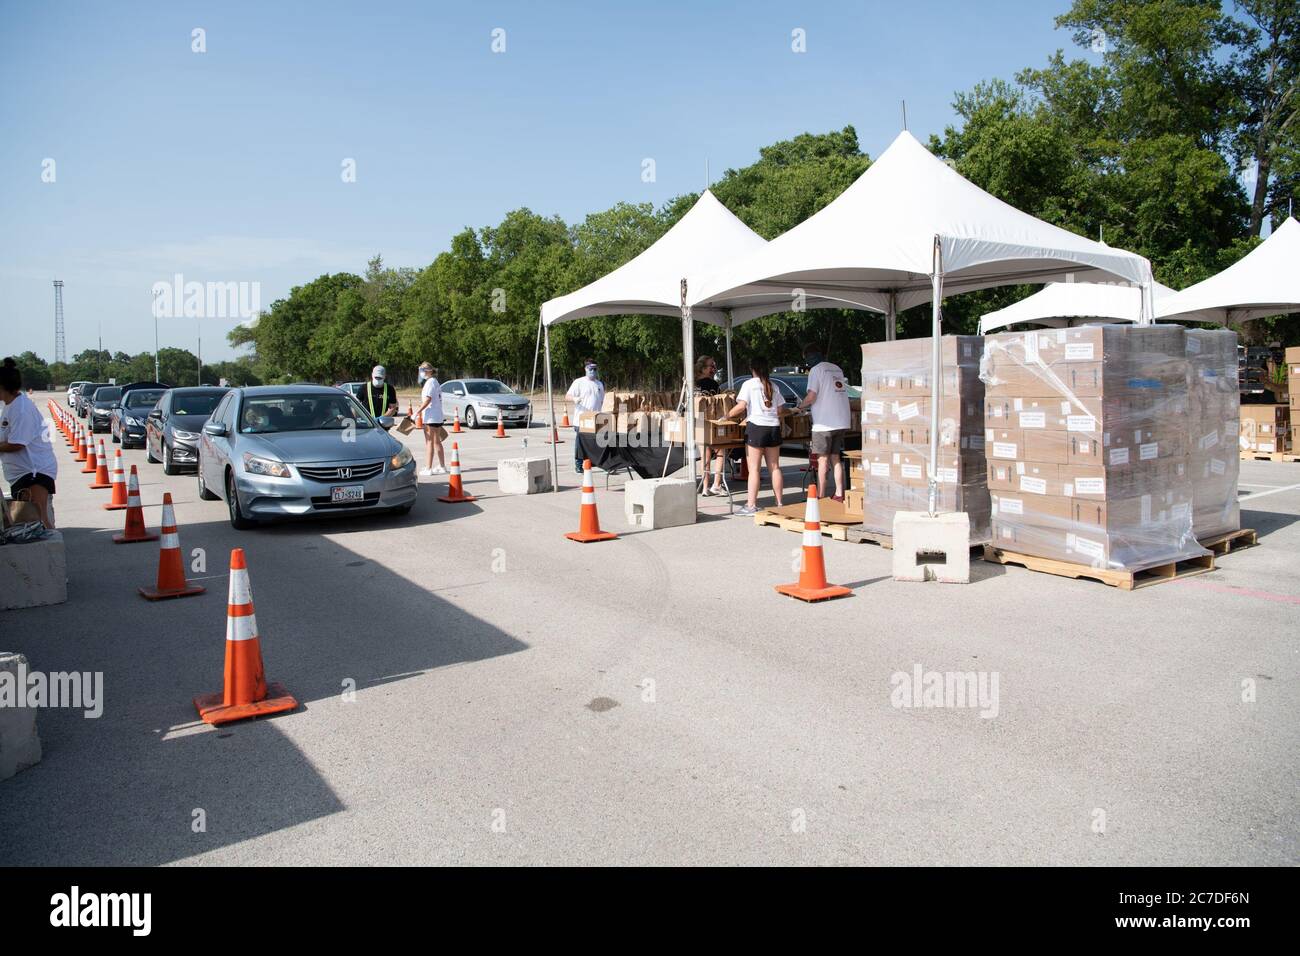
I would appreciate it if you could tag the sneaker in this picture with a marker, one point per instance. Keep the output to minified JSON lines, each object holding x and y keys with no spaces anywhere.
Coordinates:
{"x":705,"y":491}
{"x":426,"y":473}
{"x":746,"y":511}
{"x":438,"y":470}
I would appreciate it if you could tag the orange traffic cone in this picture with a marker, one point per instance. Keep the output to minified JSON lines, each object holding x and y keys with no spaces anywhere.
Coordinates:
{"x":555,"y":438}
{"x":455,"y":423}
{"x":589,"y":520}
{"x":118,"y":481}
{"x":101,"y":469}
{"x":171,"y":572}
{"x":135,"y":529}
{"x":245,"y":692}
{"x":455,"y":489}
{"x":79,"y":448}
{"x":91,"y":460}
{"x":812,"y":584}
{"x":564,"y":422}
{"x":501,"y":427}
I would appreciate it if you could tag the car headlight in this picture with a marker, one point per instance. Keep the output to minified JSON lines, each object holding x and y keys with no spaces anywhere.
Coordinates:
{"x":132,"y":421}
{"x":401,"y":459}
{"x":185,"y":436}
{"x":265,"y":466}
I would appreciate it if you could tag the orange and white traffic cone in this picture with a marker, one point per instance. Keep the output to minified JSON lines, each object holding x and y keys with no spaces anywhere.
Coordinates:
{"x":564,"y":422}
{"x":92,"y":460}
{"x":171,"y":572}
{"x":79,"y":448}
{"x":589,"y":520}
{"x":812,"y":584}
{"x":555,"y":438}
{"x":501,"y":427}
{"x":101,"y":469}
{"x":455,"y":422}
{"x":135,"y":529}
{"x":118,"y":481}
{"x":244,"y":692}
{"x":455,"y":488}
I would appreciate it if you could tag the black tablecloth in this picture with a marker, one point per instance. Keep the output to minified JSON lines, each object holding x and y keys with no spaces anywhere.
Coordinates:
{"x":646,"y":462}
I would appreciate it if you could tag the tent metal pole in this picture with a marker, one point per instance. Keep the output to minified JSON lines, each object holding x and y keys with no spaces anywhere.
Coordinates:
{"x":936,"y":370}
{"x":891,"y":324}
{"x":688,"y":362}
{"x":1148,"y":315}
{"x":730,"y":374}
{"x":550,"y":401}
{"x":532,"y":383}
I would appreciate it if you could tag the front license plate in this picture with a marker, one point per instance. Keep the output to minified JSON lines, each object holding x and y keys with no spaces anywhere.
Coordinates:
{"x":348,"y":493}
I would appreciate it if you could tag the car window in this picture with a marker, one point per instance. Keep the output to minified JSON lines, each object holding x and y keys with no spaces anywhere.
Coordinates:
{"x":197,"y":403}
{"x":220,"y":413}
{"x":108,"y":394}
{"x":271,"y":414}
{"x":488,"y":388}
{"x":142,"y":398}
{"x":448,"y":386}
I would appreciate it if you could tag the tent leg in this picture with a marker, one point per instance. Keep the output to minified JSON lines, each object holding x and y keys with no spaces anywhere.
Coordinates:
{"x":688,"y":362}
{"x":891,"y":319}
{"x":550,"y":401}
{"x":936,"y":370}
{"x":731,"y":375}
{"x":532,"y":383}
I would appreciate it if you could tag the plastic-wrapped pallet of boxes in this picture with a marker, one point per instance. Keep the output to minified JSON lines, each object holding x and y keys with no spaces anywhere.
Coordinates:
{"x":1214,"y":401}
{"x":1293,"y":393}
{"x":895,"y":415}
{"x":1087,"y":442}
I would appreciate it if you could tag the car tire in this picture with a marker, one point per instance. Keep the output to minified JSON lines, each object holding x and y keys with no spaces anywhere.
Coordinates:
{"x":471,"y":418}
{"x":169,"y":466}
{"x":204,"y":493}
{"x":148,"y":452}
{"x":237,"y":519}
{"x":404,"y":510}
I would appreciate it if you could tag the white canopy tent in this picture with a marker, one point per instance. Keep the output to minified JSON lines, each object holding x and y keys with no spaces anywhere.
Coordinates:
{"x":653,"y":283}
{"x":1061,"y":304}
{"x":1265,"y":282}
{"x":909,"y":229}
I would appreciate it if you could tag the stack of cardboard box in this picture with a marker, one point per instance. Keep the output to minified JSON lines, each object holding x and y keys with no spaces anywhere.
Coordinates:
{"x":1293,"y":389}
{"x":1265,"y":429}
{"x":1214,"y":401}
{"x":893,"y":471}
{"x":1087,"y":444}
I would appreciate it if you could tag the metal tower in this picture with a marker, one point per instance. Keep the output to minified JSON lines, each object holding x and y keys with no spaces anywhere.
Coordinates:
{"x":60,"y":346}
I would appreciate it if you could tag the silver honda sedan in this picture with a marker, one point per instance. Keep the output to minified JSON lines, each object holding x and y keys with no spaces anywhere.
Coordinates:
{"x":294,"y":450}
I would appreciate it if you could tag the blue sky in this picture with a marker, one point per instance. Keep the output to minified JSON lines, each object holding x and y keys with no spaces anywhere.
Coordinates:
{"x":226,"y":165}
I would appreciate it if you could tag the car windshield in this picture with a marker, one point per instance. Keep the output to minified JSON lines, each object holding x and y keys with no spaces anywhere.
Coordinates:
{"x":107,"y":395}
{"x":201,"y":403}
{"x":143,"y":398}
{"x":488,"y":388}
{"x":265,"y":414}
{"x":88,"y":390}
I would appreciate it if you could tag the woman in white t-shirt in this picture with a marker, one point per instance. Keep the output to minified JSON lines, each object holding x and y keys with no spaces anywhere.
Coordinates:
{"x":25,"y":450}
{"x":760,"y":401}
{"x":430,"y":418}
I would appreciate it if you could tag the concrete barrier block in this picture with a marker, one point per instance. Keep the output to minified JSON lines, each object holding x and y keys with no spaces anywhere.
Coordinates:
{"x":524,"y":476}
{"x":33,"y":574}
{"x":932,"y":547}
{"x":20,"y":746}
{"x":659,"y":502}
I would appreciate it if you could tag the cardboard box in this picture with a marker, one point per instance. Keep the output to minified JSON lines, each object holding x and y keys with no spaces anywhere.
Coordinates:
{"x":592,"y":422}
{"x":853,"y":501}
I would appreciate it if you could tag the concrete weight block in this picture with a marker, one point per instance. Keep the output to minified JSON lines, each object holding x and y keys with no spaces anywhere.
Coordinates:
{"x":920,"y":539}
{"x":524,"y":476}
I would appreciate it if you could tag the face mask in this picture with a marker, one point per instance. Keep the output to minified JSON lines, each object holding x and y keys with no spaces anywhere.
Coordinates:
{"x":423,"y":375}
{"x":591,"y":374}
{"x":378,"y":382}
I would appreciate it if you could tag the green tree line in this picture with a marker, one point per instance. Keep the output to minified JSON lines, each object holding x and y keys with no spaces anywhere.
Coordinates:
{"x":176,"y":367}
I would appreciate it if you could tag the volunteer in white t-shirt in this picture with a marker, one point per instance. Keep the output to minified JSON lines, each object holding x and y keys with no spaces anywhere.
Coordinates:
{"x":588,"y":395}
{"x":25,"y":450}
{"x":760,"y":401}
{"x":429,"y":416}
{"x":828,"y":402}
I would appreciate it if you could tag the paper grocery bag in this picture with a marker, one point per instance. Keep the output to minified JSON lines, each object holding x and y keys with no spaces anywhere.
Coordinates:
{"x":406,"y":425}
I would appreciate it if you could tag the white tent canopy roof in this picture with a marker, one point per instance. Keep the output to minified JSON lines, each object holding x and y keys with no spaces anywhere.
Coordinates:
{"x":708,"y":236}
{"x":1266,"y":282}
{"x":1059,"y":303}
{"x":877,"y":238}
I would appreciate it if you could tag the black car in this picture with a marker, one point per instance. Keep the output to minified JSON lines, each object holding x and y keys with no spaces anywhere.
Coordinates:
{"x":130,"y":414}
{"x":100,"y":409}
{"x":172,"y":429}
{"x":86,"y":395}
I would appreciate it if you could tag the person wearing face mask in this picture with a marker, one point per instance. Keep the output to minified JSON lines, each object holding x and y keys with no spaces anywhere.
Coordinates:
{"x":429,"y":416}
{"x":380,"y":397}
{"x":26,"y":455}
{"x":588,"y":395}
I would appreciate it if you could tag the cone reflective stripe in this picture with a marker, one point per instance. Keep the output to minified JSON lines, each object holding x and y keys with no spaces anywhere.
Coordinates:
{"x":555,"y":438}
{"x":812,"y":584}
{"x":244,"y":692}
{"x":91,"y":461}
{"x":588,"y":519}
{"x":501,"y":425}
{"x":455,"y":488}
{"x":118,"y":501}
{"x":455,"y":422}
{"x":171,"y":572}
{"x":135,"y":529}
{"x":101,"y":469}
{"x":79,"y":447}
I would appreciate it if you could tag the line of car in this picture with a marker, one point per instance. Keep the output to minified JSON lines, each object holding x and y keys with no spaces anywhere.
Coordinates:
{"x":269,"y":451}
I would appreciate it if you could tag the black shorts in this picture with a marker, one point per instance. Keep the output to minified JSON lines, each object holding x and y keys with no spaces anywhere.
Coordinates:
{"x":27,"y":481}
{"x":762,"y":436}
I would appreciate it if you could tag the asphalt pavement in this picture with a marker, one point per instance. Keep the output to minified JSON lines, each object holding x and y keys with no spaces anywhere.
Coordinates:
{"x":520,"y":698}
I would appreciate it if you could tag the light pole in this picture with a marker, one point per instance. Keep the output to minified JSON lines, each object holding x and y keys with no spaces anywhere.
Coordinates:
{"x":157,"y":375}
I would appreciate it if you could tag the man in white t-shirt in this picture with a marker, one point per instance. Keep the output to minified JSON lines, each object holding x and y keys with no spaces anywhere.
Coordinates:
{"x":828,"y":402}
{"x":430,"y":418}
{"x":25,"y":450}
{"x":588,"y":395}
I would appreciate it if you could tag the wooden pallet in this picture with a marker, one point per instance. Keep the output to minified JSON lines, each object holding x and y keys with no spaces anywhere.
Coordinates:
{"x":836,"y":532}
{"x":1269,"y":456}
{"x":1221,"y":544}
{"x":859,"y":535}
{"x":1124,"y":580}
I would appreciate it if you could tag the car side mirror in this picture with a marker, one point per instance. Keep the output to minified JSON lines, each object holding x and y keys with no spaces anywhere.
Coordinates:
{"x":156,"y":414}
{"x":214,"y":428}
{"x":385,"y":421}
{"x":458,"y":393}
